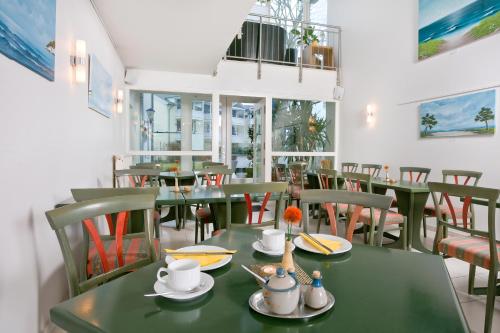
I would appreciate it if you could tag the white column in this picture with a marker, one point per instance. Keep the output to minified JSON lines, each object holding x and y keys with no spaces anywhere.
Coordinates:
{"x":186,"y":130}
{"x":216,"y":140}
{"x":268,"y":132}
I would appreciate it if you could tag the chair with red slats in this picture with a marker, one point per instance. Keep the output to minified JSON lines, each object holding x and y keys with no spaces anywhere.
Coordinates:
{"x":297,"y":180}
{"x":213,"y":175}
{"x":371,"y":169}
{"x":327,"y":180}
{"x":349,"y":167}
{"x":458,"y":177}
{"x":137,"y":177}
{"x":359,"y":182}
{"x":252,"y":193}
{"x":114,"y":260}
{"x":474,"y":246}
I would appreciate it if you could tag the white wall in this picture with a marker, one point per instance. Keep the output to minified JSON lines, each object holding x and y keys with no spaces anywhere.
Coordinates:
{"x":49,"y":142}
{"x":379,"y":66}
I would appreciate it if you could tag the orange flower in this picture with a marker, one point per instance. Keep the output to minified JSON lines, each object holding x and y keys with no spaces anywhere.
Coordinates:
{"x":292,"y":215}
{"x":386,"y":167}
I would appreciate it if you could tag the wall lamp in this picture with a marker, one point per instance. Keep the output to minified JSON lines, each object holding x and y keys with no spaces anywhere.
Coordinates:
{"x":370,"y":114}
{"x":119,"y":101}
{"x":79,"y":61}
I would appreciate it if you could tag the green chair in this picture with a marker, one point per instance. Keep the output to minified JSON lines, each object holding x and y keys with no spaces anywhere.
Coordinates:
{"x":137,"y":177}
{"x":86,"y":212}
{"x":298,"y":183}
{"x":216,"y":175}
{"x":251,"y":193}
{"x":211,"y":164}
{"x":359,"y":200}
{"x":349,"y":167}
{"x":412,"y":175}
{"x":462,"y":177}
{"x":477,"y":247}
{"x":371,"y":169}
{"x":359,"y":182}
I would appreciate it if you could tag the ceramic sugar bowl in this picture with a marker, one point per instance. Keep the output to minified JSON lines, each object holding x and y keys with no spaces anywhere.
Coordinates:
{"x":282,"y":293}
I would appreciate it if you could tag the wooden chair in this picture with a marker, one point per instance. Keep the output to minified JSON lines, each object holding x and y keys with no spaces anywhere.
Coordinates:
{"x":371,"y":169}
{"x":459,"y":177}
{"x":477,"y":247}
{"x":327,"y":180}
{"x":86,"y":212}
{"x":253,"y":192}
{"x":297,"y":180}
{"x":212,"y":176}
{"x":357,"y":182}
{"x":136,"y":220}
{"x":359,"y":200}
{"x":137,"y":177}
{"x":349,"y":167}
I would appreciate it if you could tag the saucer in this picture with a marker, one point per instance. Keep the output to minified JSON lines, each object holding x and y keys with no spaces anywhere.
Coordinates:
{"x":206,"y":280}
{"x":201,"y":248}
{"x":346,"y":246}
{"x":257,"y":246}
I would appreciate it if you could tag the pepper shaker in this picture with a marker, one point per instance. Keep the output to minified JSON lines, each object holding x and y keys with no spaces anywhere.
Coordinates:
{"x":316,"y":295}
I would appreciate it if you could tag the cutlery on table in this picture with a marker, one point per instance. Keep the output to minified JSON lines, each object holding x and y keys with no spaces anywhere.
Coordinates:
{"x":257,"y":276}
{"x":200,"y":253}
{"x":318,"y":242}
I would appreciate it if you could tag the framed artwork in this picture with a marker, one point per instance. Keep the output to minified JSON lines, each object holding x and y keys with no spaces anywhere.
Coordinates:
{"x":100,"y":88}
{"x":472,"y":114}
{"x":28,"y":34}
{"x":447,"y":24}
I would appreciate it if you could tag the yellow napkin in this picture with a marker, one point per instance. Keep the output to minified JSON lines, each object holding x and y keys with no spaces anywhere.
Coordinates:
{"x":203,"y":260}
{"x":334,"y":245}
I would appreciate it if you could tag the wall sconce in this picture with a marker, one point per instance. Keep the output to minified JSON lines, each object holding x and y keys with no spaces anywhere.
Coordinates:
{"x":370,"y":114}
{"x":79,"y":61}
{"x":119,"y":101}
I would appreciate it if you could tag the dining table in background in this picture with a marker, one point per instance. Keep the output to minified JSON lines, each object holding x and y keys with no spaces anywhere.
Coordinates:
{"x":375,"y":290}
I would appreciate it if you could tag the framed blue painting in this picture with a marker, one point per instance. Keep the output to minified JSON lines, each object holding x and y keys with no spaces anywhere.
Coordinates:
{"x":28,"y":34}
{"x":100,"y":88}
{"x":447,"y":24}
{"x":472,"y":114}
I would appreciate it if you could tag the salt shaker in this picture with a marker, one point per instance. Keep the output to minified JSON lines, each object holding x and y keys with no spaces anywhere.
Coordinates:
{"x":316,"y":295}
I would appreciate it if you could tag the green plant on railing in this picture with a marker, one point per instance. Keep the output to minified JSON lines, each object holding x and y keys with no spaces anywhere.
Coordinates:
{"x":306,"y":38}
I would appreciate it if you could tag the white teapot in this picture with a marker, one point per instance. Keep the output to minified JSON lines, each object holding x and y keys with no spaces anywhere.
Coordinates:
{"x":282,"y":293}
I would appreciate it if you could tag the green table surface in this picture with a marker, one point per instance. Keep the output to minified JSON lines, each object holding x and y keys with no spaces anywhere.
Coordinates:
{"x":376,"y":290}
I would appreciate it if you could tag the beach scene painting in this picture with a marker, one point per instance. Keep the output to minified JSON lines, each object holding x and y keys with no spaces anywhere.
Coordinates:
{"x":472,"y":114}
{"x":447,"y":24}
{"x":100,"y":88}
{"x":28,"y":33}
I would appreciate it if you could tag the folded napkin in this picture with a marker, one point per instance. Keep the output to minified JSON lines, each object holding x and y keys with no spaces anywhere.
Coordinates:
{"x":334,"y":245}
{"x":204,"y":260}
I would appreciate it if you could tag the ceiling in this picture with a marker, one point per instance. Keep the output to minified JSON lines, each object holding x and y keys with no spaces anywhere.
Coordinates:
{"x":188,"y":36}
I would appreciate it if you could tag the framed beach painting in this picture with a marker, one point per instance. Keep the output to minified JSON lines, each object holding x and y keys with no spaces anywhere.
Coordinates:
{"x":100,"y":88}
{"x":472,"y":114}
{"x":28,"y":34}
{"x":447,"y":24}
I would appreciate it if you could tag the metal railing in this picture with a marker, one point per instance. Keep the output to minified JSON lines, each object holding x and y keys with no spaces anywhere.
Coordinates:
{"x":268,"y":39}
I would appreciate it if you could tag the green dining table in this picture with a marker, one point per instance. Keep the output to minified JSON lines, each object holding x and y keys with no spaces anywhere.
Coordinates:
{"x":375,"y":290}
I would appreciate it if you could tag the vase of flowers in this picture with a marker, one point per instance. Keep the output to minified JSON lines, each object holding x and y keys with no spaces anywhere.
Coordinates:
{"x":386,"y":169}
{"x":292,"y":216}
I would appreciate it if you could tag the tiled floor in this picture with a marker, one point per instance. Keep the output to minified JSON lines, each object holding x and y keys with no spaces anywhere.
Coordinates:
{"x":473,"y":306}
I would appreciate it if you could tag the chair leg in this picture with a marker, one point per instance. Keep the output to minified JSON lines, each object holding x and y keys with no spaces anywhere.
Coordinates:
{"x":404,"y":233}
{"x":365,"y":236}
{"x":202,"y":229}
{"x":472,"y":277}
{"x":319,"y":221}
{"x":196,"y":225}
{"x":490,"y":300}
{"x":424,"y":224}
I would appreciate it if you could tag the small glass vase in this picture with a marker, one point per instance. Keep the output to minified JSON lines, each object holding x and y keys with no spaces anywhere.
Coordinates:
{"x":287,"y":261}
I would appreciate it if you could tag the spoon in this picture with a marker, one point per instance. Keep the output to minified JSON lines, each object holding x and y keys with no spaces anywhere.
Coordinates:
{"x":258,"y":277}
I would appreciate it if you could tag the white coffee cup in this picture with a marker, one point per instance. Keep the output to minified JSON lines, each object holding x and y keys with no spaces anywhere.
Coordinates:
{"x":182,"y":274}
{"x":273,"y":240}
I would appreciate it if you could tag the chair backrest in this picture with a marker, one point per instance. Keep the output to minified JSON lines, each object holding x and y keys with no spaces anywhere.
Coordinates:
{"x":251,"y":192}
{"x":138,"y":177}
{"x":279,"y":172}
{"x":371,"y":169}
{"x":466,"y":194}
{"x":327,"y":179}
{"x":85,"y":212}
{"x":211,"y":164}
{"x":349,"y":167}
{"x":326,"y":164}
{"x":462,"y":177}
{"x":146,"y":166}
{"x":357,"y":182}
{"x":216,"y":175}
{"x":359,"y":200}
{"x":415,"y":174}
{"x":296,"y":172}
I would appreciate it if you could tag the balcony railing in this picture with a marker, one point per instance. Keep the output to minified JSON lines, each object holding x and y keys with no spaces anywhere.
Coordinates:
{"x":268,"y":39}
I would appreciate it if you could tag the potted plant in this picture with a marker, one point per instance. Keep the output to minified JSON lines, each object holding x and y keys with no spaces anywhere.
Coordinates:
{"x":249,"y":169}
{"x":307,"y":38}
